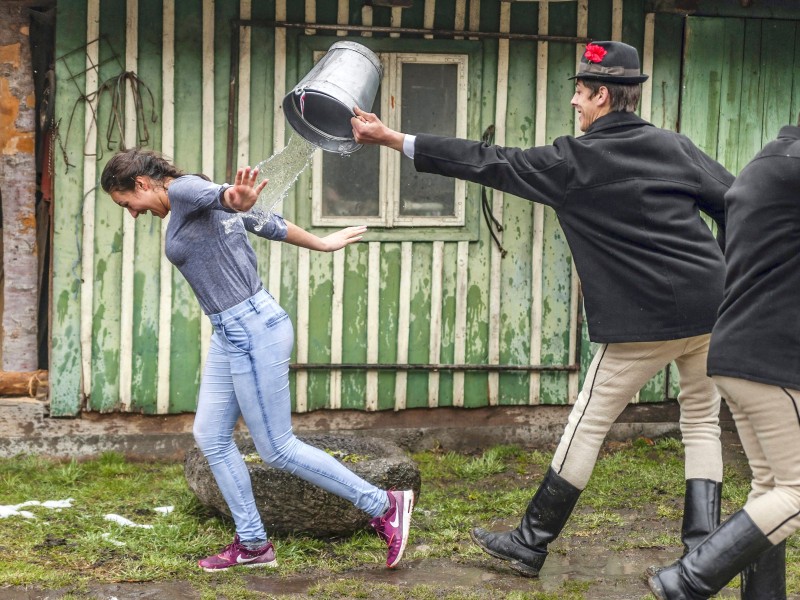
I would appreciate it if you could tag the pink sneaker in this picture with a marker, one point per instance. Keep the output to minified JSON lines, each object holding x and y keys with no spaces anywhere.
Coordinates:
{"x":393,"y":525}
{"x":236,"y":555}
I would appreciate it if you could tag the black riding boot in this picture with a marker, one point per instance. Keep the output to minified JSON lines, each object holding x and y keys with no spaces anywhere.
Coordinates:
{"x":526,"y":546}
{"x":765,"y":579}
{"x":713,"y":563}
{"x":701,"y":510}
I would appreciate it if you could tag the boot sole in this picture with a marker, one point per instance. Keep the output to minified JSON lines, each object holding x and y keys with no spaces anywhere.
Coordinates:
{"x":514,"y":563}
{"x":656,"y":587}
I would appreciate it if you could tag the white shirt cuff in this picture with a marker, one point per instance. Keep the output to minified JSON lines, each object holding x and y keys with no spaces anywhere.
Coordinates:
{"x":408,"y":145}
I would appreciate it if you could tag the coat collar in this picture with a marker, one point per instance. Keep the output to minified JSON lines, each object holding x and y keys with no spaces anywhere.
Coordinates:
{"x":617,"y":119}
{"x":790,"y":131}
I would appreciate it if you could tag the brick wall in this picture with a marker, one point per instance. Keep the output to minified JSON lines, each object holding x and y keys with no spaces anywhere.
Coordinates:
{"x":18,"y":190}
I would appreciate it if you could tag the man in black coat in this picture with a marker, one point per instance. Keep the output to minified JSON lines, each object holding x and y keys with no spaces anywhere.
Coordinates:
{"x":627,"y":196}
{"x":754,"y":359}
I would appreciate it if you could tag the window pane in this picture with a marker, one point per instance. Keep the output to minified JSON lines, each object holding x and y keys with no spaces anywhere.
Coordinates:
{"x":350,"y":184}
{"x":429,"y":96}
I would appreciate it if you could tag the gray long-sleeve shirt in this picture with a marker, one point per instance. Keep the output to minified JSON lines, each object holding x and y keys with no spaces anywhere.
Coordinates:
{"x":209,"y":245}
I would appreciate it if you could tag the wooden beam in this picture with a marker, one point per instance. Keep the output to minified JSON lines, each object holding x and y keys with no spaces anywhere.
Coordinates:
{"x":21,"y":383}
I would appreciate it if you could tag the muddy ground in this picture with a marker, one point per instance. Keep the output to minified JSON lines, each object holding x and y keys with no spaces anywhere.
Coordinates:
{"x":607,"y":575}
{"x":585,"y":564}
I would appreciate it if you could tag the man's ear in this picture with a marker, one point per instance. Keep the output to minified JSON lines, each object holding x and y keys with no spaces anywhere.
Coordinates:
{"x":603,"y":96}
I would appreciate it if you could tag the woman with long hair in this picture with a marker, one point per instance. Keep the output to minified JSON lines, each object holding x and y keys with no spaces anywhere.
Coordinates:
{"x":247,"y":370}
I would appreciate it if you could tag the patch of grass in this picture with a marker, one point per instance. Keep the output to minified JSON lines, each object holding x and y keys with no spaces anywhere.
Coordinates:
{"x":354,"y":589}
{"x":69,"y":548}
{"x":594,"y":522}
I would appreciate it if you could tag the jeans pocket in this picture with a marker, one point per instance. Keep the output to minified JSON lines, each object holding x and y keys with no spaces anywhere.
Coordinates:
{"x":275,"y":318}
{"x":237,"y":336}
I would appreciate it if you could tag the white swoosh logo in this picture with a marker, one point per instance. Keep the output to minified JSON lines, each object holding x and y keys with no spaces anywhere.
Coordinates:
{"x":241,"y":560}
{"x":396,"y":520}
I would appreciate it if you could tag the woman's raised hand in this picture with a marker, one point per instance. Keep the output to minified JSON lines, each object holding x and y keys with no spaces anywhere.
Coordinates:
{"x":242,"y":195}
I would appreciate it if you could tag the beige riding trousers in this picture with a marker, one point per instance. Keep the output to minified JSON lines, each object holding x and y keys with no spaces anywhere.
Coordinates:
{"x":616,"y":374}
{"x":768,"y":420}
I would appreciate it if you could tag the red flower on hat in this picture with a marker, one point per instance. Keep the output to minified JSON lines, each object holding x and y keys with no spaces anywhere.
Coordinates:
{"x":594,"y":53}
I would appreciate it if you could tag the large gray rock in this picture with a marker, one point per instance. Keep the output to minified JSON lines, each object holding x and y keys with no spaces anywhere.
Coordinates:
{"x":288,"y":504}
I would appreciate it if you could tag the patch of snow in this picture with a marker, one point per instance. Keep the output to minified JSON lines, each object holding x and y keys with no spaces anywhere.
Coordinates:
{"x":125,"y":522}
{"x":10,"y":510}
{"x":109,"y":539}
{"x":58,"y":503}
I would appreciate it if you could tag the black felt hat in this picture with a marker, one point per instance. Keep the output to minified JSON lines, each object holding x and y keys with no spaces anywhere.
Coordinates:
{"x":613,"y":62}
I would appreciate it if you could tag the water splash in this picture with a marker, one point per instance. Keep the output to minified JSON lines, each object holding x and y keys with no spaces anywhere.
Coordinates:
{"x":282,"y":169}
{"x":229,"y":224}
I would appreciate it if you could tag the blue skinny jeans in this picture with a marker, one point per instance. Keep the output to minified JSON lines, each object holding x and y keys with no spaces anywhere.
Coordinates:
{"x":247,"y":374}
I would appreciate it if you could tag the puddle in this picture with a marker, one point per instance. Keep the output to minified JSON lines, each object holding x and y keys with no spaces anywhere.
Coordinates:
{"x":610,"y":575}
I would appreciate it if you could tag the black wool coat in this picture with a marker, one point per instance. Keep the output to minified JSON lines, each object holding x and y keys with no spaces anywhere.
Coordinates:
{"x":627,"y":195}
{"x":757,"y":335}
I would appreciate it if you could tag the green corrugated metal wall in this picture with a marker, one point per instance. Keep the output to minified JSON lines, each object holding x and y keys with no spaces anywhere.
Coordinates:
{"x":127,"y":333}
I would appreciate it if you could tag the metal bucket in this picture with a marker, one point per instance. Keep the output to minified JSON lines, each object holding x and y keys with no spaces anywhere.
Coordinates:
{"x":320,"y":107}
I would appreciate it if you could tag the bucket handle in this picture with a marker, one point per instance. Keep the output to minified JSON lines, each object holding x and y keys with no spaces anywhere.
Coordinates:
{"x":302,"y":93}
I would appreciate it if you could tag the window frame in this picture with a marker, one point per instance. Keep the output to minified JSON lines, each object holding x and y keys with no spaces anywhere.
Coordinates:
{"x":390,"y":161}
{"x":308,"y":200}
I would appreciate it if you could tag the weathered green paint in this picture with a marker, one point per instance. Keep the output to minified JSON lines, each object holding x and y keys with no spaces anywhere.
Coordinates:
{"x":414,"y":15}
{"x":556,"y":256}
{"x":740,"y":83}
{"x":320,"y":294}
{"x":731,"y":97}
{"x":224,"y":12}
{"x":184,"y":377}
{"x":262,"y":88}
{"x":726,"y":8}
{"x":106,"y":305}
{"x":518,"y":225}
{"x":557,"y":310}
{"x":795,"y":104}
{"x":295,"y":12}
{"x":65,"y":354}
{"x":490,"y":15}
{"x":666,"y":71}
{"x":632,"y":24}
{"x":327,"y":12}
{"x":419,"y":324}
{"x":525,"y":19}
{"x":447,"y":351}
{"x":354,"y":324}
{"x":145,"y":341}
{"x":479,"y":264}
{"x":600,"y":19}
{"x":751,"y":95}
{"x":147,"y":281}
{"x":387,"y":317}
{"x":289,"y":254}
{"x":778,"y":38}
{"x":381,"y":18}
{"x":186,"y":313}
